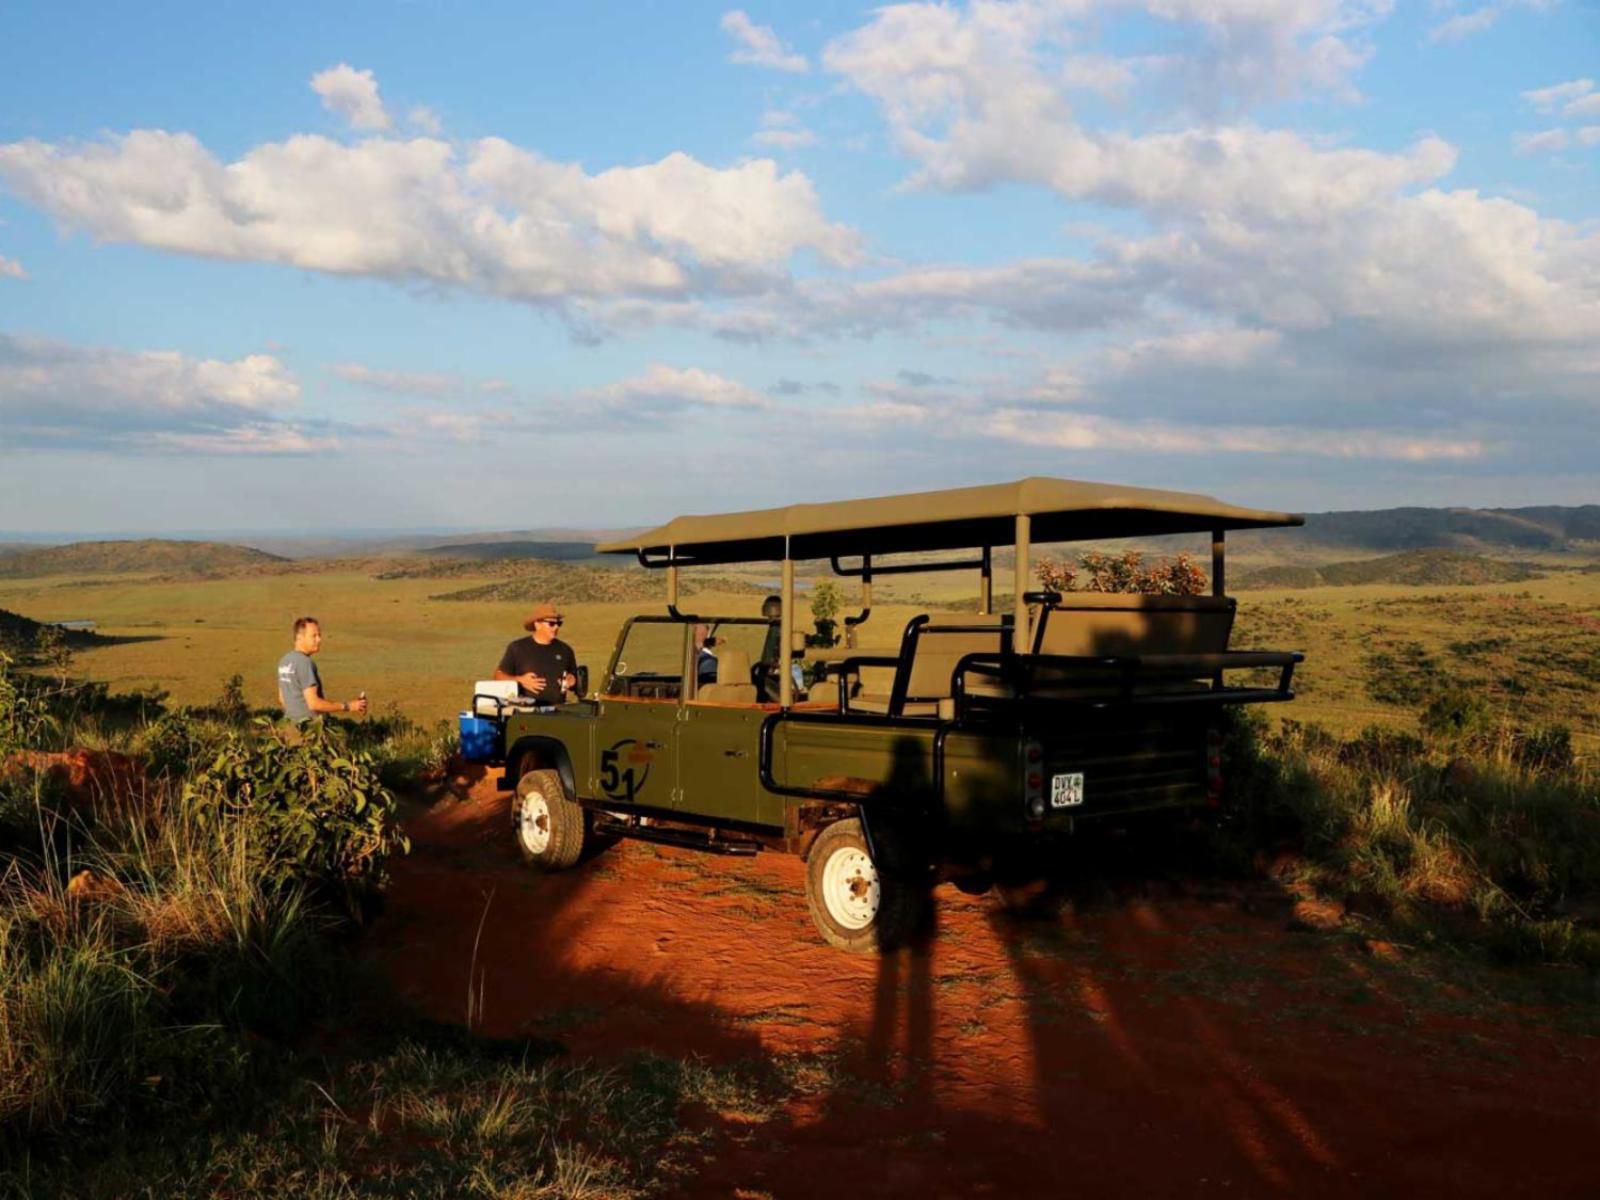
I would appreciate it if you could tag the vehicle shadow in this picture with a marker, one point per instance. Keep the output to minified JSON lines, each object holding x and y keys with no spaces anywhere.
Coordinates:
{"x":1161,"y":1032}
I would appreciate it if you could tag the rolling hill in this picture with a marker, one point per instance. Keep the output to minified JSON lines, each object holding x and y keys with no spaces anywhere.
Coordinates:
{"x":142,"y":557}
{"x":1418,"y":568}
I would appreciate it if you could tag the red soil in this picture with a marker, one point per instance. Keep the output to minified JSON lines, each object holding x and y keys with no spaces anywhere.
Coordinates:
{"x":1156,"y":1043}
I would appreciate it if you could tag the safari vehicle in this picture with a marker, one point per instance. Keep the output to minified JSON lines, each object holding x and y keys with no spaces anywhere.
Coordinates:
{"x":983,"y":740}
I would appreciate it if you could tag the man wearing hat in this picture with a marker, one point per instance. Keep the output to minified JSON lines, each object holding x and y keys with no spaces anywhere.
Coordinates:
{"x":544,"y":666}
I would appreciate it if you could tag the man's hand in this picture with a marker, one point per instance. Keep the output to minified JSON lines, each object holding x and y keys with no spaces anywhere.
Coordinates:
{"x":534,"y":683}
{"x":358,"y":705}
{"x":568,"y":682}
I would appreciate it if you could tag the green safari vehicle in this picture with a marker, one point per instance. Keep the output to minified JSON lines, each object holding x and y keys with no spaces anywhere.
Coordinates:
{"x":979,"y":744}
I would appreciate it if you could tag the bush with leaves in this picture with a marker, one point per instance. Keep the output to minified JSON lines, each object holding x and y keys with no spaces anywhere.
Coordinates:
{"x":318,"y":811}
{"x":1126,"y":572}
{"x":825,"y":605}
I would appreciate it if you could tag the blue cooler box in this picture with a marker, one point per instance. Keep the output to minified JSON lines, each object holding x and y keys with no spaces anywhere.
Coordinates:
{"x":480,"y":738}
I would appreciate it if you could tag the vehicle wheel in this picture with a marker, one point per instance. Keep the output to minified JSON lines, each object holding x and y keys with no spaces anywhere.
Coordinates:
{"x":855,"y":905}
{"x":550,"y":827}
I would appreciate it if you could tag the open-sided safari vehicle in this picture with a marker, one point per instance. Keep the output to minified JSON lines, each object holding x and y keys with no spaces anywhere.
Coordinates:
{"x":986,"y":737}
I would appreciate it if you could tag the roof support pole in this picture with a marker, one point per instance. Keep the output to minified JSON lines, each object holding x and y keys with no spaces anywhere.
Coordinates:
{"x":850,"y":623}
{"x":986,"y":583}
{"x":672,"y":587}
{"x":786,"y":633}
{"x":1022,"y":636}
{"x":1218,"y":575}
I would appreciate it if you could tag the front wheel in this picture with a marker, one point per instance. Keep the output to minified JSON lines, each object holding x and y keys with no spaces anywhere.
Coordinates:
{"x":854,"y":905}
{"x":550,"y":827}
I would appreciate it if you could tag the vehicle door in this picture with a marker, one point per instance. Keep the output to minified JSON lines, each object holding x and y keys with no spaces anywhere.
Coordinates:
{"x":635,"y":759}
{"x":718,"y":745}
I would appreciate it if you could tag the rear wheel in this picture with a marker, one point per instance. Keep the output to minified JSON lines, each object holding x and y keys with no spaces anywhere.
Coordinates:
{"x":855,"y":905}
{"x":550,"y":827}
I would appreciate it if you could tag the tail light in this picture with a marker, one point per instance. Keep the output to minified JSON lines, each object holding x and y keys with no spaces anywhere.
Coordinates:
{"x":1033,"y":784}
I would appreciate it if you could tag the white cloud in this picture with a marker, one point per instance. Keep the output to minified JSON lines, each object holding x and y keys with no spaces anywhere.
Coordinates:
{"x":251,"y":440}
{"x":1465,"y":25}
{"x":783,"y":131}
{"x":353,"y":95}
{"x":55,"y":394}
{"x":1547,"y":141}
{"x":663,"y":390}
{"x":490,"y":217}
{"x":1548,"y":99}
{"x":1085,"y":431}
{"x":424,"y":120}
{"x":1583,"y":106}
{"x":10,"y":268}
{"x":1589,"y":135}
{"x":414,"y":383}
{"x":760,"y":46}
{"x":1109,"y":77}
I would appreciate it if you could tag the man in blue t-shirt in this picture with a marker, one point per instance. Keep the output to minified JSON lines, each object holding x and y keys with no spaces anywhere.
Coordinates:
{"x":299,"y":683}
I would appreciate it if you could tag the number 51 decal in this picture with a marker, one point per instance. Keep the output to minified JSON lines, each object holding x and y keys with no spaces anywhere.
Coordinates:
{"x":620,"y":776}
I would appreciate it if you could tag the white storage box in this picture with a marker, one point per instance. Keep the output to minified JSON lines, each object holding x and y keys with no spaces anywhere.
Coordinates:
{"x":500,"y":689}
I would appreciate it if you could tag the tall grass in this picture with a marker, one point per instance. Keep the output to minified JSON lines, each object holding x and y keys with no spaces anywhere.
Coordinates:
{"x":1495,"y":837}
{"x":132,"y":971}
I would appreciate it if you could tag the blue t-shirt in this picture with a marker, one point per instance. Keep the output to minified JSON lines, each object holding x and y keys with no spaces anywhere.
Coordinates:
{"x":296,"y":672}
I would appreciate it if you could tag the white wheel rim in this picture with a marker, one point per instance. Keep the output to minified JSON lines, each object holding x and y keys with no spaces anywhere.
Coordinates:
{"x":533,"y":823}
{"x":850,"y":888}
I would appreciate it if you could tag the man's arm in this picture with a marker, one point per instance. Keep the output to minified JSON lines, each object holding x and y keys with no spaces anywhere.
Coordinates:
{"x":316,"y":703}
{"x":534,"y":683}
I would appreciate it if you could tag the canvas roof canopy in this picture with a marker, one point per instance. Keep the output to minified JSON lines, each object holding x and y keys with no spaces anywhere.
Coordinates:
{"x":1061,"y":510}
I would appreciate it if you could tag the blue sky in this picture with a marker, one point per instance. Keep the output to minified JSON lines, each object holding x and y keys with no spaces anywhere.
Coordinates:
{"x":444,"y":264}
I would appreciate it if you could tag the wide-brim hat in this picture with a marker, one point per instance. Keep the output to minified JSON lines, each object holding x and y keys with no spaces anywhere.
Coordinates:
{"x":544,"y":612}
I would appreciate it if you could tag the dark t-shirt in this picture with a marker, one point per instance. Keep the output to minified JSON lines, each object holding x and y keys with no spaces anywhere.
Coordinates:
{"x":549,"y":662}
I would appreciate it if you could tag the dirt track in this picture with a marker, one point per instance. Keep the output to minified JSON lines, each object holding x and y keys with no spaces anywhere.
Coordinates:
{"x":1158,"y":1041}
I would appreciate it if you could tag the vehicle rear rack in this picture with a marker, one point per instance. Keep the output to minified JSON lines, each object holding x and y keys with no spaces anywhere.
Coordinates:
{"x":1115,"y":681}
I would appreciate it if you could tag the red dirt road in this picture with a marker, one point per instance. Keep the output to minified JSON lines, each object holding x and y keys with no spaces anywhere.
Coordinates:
{"x":1155,"y":1042}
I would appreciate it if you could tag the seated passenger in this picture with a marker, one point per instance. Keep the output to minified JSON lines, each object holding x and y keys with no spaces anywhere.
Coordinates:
{"x":705,"y":655}
{"x":772,"y":652}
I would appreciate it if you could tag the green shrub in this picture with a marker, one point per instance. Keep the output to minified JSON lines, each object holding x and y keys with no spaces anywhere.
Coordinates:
{"x":1457,"y":711}
{"x":317,"y":811}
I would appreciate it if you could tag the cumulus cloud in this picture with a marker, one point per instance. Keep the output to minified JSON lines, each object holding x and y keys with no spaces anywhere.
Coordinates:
{"x":55,"y":394}
{"x":490,"y":216}
{"x":10,"y":268}
{"x":759,"y":46}
{"x":664,"y":390}
{"x":353,"y":95}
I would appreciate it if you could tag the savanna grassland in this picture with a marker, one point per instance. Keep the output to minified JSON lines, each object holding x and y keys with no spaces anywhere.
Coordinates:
{"x":238,"y":963}
{"x":1374,"y":653}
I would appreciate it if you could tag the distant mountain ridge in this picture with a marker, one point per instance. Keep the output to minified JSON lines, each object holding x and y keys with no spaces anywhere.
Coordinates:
{"x":1543,"y":529}
{"x":144,"y":556}
{"x":493,"y":550}
{"x":1416,"y":568}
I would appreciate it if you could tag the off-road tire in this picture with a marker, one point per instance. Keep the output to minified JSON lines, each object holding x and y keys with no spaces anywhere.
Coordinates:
{"x":858,"y":904}
{"x":550,"y":827}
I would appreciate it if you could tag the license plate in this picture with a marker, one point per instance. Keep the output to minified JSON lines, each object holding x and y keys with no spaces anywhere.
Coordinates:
{"x":1066,"y":790}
